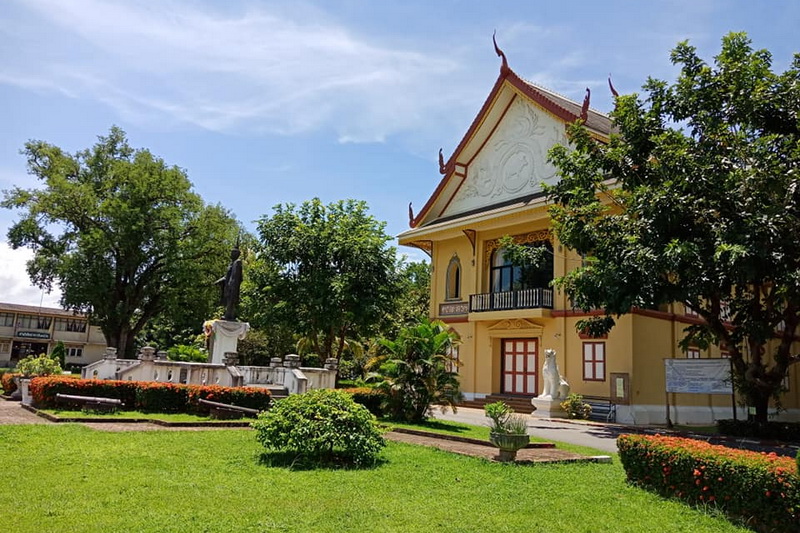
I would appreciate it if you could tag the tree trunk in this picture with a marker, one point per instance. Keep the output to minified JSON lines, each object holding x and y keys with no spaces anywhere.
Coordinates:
{"x":122,"y":339}
{"x":761,"y":403}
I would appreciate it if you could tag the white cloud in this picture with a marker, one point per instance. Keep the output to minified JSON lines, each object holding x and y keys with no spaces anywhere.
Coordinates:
{"x":15,"y":286}
{"x":225,"y":71}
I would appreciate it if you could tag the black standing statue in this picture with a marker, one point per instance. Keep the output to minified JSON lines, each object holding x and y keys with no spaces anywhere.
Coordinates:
{"x":230,"y":285}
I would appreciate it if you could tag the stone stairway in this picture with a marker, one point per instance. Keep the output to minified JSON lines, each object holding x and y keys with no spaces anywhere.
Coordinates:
{"x":278,"y":392}
{"x":520,"y":404}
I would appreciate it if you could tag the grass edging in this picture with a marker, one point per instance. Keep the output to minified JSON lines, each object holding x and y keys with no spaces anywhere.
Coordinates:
{"x":164,"y":423}
{"x":467,"y":440}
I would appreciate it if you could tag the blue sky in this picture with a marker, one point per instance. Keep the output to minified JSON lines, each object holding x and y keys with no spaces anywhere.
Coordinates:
{"x":273,"y":102}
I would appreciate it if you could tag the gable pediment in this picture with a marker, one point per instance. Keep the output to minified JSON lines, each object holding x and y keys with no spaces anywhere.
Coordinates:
{"x":512,"y":161}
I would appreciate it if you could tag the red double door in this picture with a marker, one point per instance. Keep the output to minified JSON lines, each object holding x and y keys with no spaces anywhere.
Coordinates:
{"x":520,"y":361}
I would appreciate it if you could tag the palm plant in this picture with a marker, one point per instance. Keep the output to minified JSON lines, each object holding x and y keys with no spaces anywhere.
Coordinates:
{"x":418,"y":372}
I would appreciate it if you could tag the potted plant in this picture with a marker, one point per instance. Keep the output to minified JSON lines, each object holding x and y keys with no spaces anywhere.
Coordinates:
{"x":508,"y":430}
{"x":32,"y":367}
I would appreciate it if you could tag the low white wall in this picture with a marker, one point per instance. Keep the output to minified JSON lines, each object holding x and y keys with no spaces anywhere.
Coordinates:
{"x":153,"y":368}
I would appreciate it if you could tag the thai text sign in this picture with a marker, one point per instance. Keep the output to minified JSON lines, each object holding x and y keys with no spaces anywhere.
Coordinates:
{"x":454,"y":308}
{"x":698,"y":376}
{"x":32,"y":335}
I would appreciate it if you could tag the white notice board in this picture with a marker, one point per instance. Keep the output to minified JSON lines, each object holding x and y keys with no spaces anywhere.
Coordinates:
{"x":698,"y":376}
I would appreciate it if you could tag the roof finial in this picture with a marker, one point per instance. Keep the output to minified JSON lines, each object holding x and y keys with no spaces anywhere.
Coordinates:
{"x":504,"y":67}
{"x":442,"y":169}
{"x":611,"y":86}
{"x":585,"y":106}
{"x":410,"y":215}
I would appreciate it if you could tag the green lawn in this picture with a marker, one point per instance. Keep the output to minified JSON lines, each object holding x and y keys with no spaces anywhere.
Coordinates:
{"x":70,"y":478}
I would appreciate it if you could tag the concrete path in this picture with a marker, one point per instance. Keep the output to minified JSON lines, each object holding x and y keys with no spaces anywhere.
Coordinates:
{"x":13,"y":413}
{"x":598,"y":436}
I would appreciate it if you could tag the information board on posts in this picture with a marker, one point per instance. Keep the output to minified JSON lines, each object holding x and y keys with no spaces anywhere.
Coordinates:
{"x":698,"y":376}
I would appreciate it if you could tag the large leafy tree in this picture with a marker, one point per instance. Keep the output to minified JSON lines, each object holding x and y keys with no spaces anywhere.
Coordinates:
{"x":325,"y":272}
{"x":121,"y":233}
{"x":695,"y":200}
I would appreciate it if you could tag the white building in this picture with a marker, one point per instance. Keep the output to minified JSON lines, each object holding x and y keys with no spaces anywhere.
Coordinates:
{"x":27,"y":329}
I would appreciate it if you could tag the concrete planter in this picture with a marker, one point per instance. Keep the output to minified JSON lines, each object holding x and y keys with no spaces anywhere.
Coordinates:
{"x":508,"y":444}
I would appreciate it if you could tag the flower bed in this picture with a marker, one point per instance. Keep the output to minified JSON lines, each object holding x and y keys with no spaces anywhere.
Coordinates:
{"x":761,"y":489}
{"x":7,"y":382}
{"x":148,"y":395}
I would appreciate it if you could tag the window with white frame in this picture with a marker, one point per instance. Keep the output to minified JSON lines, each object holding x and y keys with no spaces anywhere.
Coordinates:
{"x":693,"y":353}
{"x":33,"y":322}
{"x":5,"y":346}
{"x":74,"y":351}
{"x":70,"y":324}
{"x":594,"y":361}
{"x":6,"y":319}
{"x":453,"y":362}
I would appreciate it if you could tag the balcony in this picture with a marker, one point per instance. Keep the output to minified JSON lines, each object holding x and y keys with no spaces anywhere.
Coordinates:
{"x":539,"y":298}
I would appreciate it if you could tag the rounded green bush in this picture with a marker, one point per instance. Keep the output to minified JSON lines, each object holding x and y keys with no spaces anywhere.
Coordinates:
{"x":323,"y":426}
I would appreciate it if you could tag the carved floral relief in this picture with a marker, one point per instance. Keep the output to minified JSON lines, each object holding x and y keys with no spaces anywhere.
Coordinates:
{"x":513,"y":163}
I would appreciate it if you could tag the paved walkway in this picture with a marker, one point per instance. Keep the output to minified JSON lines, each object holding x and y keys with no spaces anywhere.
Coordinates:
{"x":13,"y":413}
{"x":604,"y":436}
{"x":598,"y":436}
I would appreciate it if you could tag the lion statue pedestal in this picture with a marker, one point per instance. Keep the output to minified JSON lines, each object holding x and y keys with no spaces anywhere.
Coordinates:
{"x":556,"y":389}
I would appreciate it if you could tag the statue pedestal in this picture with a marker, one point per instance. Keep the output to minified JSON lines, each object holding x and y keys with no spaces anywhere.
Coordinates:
{"x":548,"y":408}
{"x":225,"y":336}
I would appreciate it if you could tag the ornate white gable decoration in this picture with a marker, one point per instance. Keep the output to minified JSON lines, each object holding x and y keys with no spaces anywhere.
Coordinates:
{"x":517,"y":324}
{"x":513,"y":163}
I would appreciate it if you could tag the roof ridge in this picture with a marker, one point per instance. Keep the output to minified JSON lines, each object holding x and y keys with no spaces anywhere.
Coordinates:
{"x":559,"y":95}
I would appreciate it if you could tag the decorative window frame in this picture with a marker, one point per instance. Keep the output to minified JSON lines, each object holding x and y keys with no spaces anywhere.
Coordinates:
{"x":594,"y":361}
{"x":452,"y":288}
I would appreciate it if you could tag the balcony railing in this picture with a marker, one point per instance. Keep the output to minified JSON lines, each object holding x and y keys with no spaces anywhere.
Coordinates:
{"x":502,"y":301}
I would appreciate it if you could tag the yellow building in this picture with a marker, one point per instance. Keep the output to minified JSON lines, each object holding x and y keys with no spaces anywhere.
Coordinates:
{"x":30,"y":330}
{"x":506,"y":318}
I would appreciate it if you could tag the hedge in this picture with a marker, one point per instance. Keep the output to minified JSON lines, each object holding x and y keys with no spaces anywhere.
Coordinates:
{"x":372,"y":399}
{"x":783,"y":431}
{"x":7,"y":382}
{"x":151,"y":396}
{"x":761,"y":489}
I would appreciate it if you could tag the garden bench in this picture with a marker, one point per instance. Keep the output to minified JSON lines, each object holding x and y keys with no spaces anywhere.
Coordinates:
{"x":225,"y":411}
{"x":603,"y":410}
{"x":90,"y":402}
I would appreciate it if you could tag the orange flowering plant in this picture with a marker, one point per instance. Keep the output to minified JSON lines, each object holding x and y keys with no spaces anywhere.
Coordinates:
{"x":149,"y":395}
{"x":761,"y":488}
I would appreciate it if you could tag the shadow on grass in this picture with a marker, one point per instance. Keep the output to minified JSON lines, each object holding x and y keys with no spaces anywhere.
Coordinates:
{"x":294,"y":461}
{"x":444,"y":426}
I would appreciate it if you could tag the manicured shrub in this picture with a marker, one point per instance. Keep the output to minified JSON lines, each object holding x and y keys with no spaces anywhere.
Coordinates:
{"x":761,"y":489}
{"x":158,"y":397}
{"x":44,"y":390}
{"x":252,"y":397}
{"x":783,"y":431}
{"x":150,"y":396}
{"x":372,"y":399}
{"x":7,"y":382}
{"x":322,"y":426}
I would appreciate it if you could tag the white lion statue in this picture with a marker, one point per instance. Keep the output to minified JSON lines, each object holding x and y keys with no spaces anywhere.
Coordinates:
{"x":555,"y":387}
